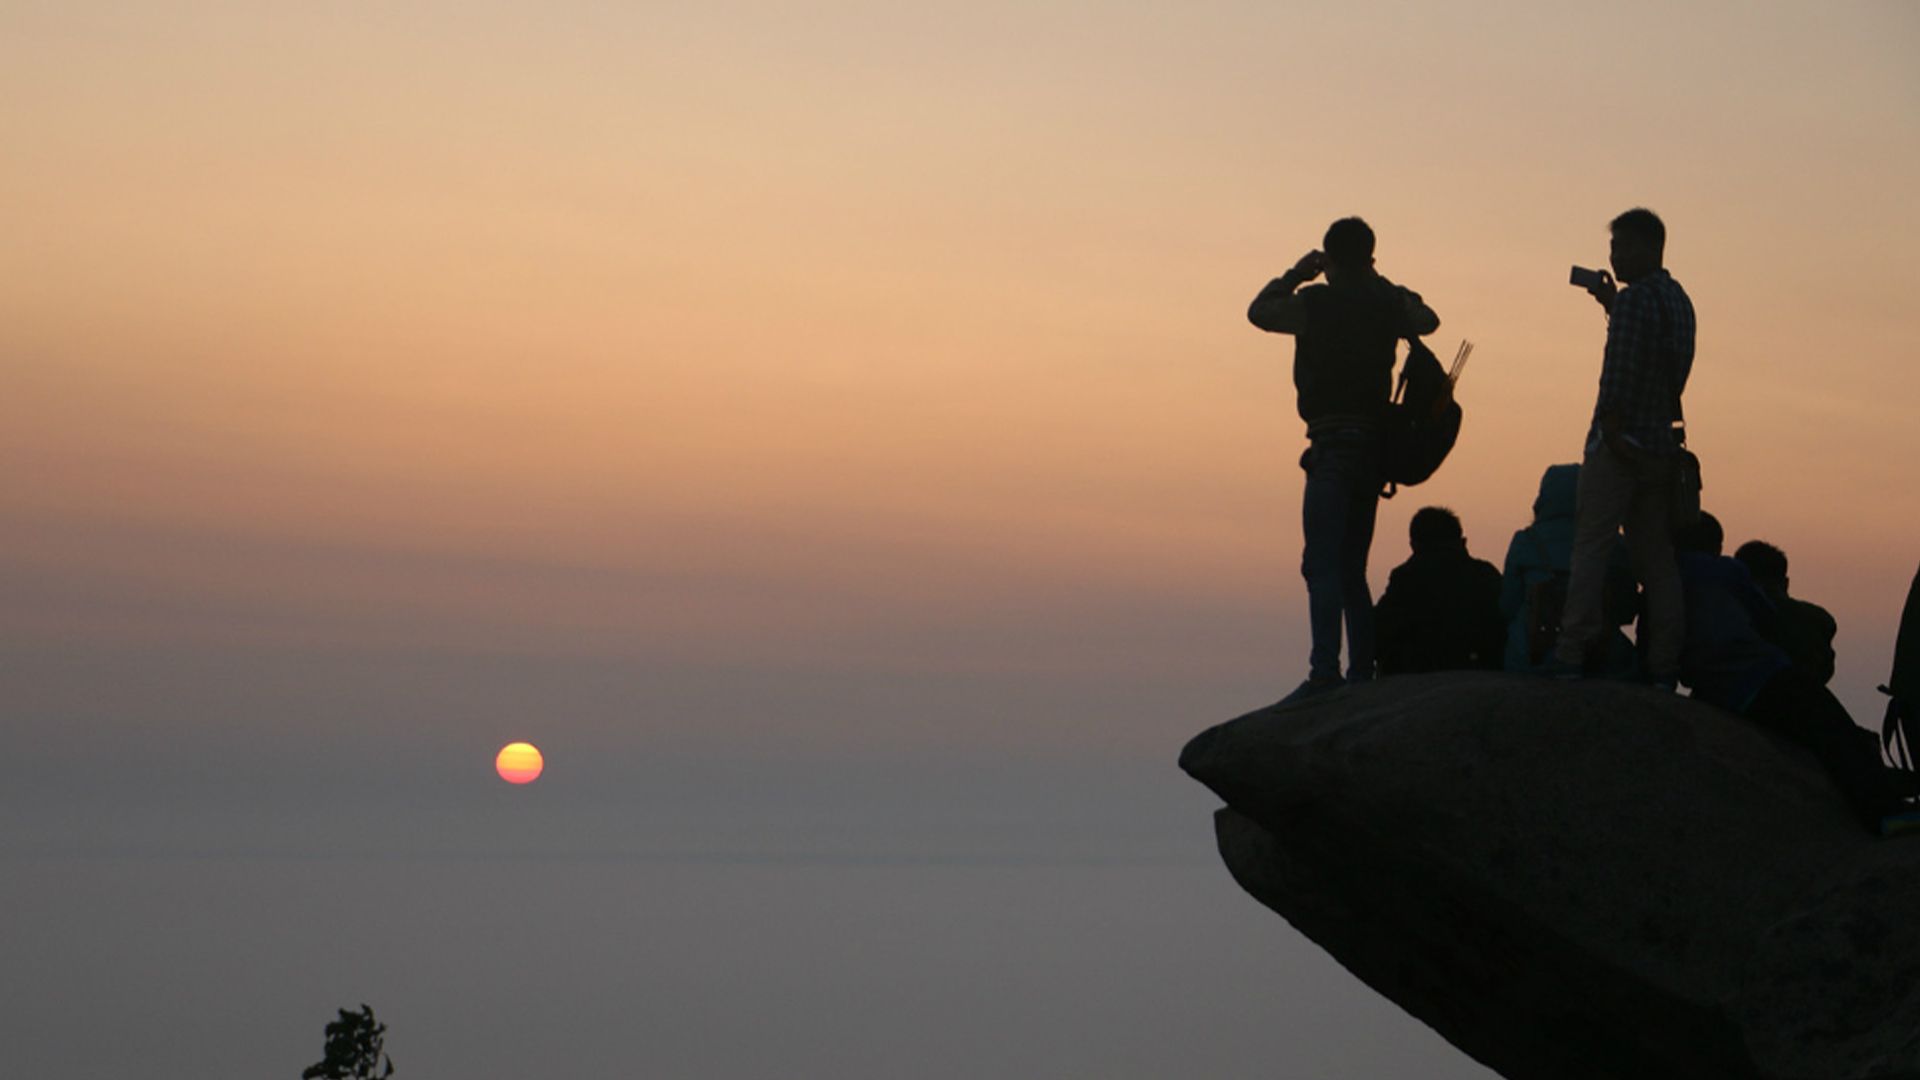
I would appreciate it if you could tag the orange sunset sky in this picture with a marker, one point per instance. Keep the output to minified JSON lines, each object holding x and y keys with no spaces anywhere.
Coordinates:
{"x":870,"y":338}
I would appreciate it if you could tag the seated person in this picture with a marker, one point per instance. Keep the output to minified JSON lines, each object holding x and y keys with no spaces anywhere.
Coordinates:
{"x":1803,"y":631}
{"x":1533,"y":585}
{"x":1441,"y":609}
{"x":1727,"y":662}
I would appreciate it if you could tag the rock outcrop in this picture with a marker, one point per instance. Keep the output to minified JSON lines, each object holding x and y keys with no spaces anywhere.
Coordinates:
{"x":1573,"y":881}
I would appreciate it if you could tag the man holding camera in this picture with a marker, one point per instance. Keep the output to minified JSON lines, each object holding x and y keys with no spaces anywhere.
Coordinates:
{"x":1345,"y":335}
{"x":1628,"y":475}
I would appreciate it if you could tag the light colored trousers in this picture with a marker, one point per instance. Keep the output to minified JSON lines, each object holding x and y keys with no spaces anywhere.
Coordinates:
{"x":1637,"y":496}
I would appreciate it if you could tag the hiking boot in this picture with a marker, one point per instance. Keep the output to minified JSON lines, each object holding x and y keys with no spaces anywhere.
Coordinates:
{"x":1319,"y":684}
{"x":1904,"y":823}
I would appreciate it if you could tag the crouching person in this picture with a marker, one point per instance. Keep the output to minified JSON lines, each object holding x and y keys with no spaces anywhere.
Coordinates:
{"x":1727,"y":662}
{"x":1441,"y":610}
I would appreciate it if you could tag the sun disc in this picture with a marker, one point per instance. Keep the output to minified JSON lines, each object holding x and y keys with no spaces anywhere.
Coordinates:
{"x":519,"y":763}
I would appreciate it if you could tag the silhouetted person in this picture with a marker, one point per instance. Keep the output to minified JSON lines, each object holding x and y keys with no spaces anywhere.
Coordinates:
{"x":1729,"y":663}
{"x":1803,"y":631}
{"x":1441,"y":610}
{"x":1533,"y":583}
{"x":1345,"y":334}
{"x":1903,"y":686}
{"x":1628,"y":474}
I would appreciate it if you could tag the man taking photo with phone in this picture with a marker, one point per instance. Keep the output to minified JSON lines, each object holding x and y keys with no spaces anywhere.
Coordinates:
{"x":1628,"y":475}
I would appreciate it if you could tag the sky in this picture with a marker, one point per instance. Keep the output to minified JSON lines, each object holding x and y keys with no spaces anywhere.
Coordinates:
{"x":740,"y":400}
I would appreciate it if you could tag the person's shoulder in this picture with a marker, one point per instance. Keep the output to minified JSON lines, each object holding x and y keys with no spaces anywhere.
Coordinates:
{"x":1667,"y":286}
{"x":1704,"y":567}
{"x":1636,"y":297}
{"x":1393,"y":291}
{"x":1813,"y":613}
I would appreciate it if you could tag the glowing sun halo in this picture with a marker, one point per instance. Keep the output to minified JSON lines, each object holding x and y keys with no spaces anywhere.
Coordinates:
{"x":519,"y":763}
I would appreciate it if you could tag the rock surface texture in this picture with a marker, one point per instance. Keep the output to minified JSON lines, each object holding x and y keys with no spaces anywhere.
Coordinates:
{"x":1579,"y":880}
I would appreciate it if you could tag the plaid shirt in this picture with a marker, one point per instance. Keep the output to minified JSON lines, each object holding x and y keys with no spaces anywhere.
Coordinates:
{"x":1649,"y":355}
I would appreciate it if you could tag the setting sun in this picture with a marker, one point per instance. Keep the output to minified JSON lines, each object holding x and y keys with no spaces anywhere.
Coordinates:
{"x":519,"y":763}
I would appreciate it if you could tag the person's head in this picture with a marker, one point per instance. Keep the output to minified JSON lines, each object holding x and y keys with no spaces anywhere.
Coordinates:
{"x":1703,"y":537}
{"x":1767,"y":564}
{"x":1435,"y":528}
{"x":1639,"y":244}
{"x":1559,"y":493}
{"x":1349,"y":249}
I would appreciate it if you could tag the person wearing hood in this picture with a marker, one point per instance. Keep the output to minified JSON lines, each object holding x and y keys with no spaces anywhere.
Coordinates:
{"x":1534,"y":582}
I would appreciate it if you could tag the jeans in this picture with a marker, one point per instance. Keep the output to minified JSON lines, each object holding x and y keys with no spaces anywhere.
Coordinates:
{"x":1636,"y":495}
{"x":1337,"y":513}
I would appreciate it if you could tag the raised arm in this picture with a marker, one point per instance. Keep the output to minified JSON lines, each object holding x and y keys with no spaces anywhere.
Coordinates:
{"x":1420,"y":318}
{"x":1277,"y":310}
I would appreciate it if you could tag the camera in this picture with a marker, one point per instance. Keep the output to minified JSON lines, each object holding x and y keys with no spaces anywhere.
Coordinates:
{"x":1585,"y":278}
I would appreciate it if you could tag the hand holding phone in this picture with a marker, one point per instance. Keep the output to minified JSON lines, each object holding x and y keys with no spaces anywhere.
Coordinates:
{"x":1597,"y":282}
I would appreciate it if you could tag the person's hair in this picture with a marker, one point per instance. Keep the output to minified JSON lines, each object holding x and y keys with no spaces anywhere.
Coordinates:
{"x":1349,"y":242}
{"x":1703,"y":537}
{"x":1434,"y":527}
{"x":1767,"y":564}
{"x":1641,"y":224}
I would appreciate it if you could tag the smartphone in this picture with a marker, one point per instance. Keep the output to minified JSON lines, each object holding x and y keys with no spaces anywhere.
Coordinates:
{"x":1585,"y":278}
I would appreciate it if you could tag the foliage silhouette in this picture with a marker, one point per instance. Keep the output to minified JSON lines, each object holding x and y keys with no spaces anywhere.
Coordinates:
{"x":355,"y":1046}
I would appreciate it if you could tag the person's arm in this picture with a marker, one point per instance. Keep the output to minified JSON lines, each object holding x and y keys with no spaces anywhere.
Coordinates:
{"x":1490,"y":638}
{"x":1277,"y":310}
{"x":1828,"y":629}
{"x":1604,"y":291}
{"x":1420,"y":318}
{"x":1390,"y":619}
{"x":1513,"y":580}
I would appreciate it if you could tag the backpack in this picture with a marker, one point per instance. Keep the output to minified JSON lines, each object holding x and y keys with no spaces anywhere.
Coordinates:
{"x":1423,"y":420}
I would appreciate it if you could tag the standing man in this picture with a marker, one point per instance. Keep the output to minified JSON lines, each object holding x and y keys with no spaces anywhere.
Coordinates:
{"x":1345,"y":333}
{"x":1627,"y":478}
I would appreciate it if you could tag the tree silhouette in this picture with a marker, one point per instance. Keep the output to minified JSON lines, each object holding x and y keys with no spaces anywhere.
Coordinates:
{"x":355,"y":1047}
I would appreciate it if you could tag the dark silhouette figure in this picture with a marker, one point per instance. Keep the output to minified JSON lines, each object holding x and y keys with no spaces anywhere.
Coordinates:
{"x":1441,"y":610}
{"x":1729,"y":663}
{"x":1629,"y":472}
{"x":1345,"y":336}
{"x":1903,"y":686}
{"x":1533,"y":585}
{"x":356,"y":1049}
{"x":1905,"y":681}
{"x":1803,"y":631}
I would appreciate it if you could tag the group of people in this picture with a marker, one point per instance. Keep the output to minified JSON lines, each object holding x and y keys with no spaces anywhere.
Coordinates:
{"x":1606,"y":549}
